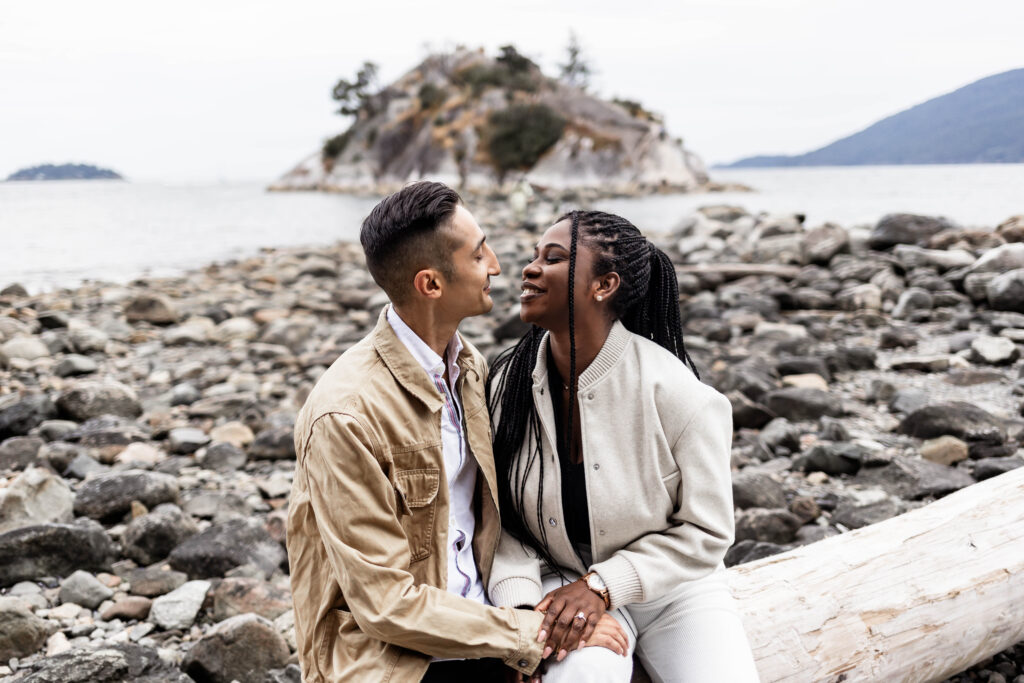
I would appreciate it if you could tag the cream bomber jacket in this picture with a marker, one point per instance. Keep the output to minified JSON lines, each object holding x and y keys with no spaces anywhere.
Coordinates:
{"x":656,"y":447}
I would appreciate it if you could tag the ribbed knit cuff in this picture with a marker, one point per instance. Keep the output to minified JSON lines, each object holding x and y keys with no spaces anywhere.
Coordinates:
{"x":624,"y":587}
{"x":515,"y":591}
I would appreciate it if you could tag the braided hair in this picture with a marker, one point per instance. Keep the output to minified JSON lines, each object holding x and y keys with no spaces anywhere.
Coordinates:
{"x":647,"y":304}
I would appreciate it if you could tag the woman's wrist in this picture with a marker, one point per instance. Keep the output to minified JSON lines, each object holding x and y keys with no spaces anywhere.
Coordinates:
{"x":596,"y":585}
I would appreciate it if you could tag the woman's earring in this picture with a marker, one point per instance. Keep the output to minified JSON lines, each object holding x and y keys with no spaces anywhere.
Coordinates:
{"x":600,"y":298}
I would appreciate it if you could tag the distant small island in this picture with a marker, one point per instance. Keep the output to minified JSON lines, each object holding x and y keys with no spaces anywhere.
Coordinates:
{"x":65,"y":172}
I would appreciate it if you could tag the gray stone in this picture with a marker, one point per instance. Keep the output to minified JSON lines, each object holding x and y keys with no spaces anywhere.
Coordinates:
{"x":747,"y":413}
{"x":186,"y":440}
{"x":87,"y":339}
{"x":92,"y":399}
{"x":905,"y":228}
{"x":1001,"y":259}
{"x":110,"y":495}
{"x":82,"y":466}
{"x":242,"y":648}
{"x":21,"y":632}
{"x":773,"y":526}
{"x":36,"y":496}
{"x":986,"y":468}
{"x":53,"y":550}
{"x":82,"y":588}
{"x":153,"y":536}
{"x":908,"y":400}
{"x":911,"y":301}
{"x":25,"y":348}
{"x":753,"y":489}
{"x":831,"y":458}
{"x":238,"y":595}
{"x":930,"y":363}
{"x":73,"y":364}
{"x":1006,"y":291}
{"x":156,"y":580}
{"x":223,"y":457}
{"x":57,"y":430}
{"x":942,"y":259}
{"x":865,"y":297}
{"x":179,"y":608}
{"x":796,"y":403}
{"x":108,"y":663}
{"x":965,"y":421}
{"x":20,"y":417}
{"x":273,"y":444}
{"x":108,"y":430}
{"x":854,"y":515}
{"x":994,"y":350}
{"x":749,"y":550}
{"x":780,"y":434}
{"x":224,"y":546}
{"x":824,"y":242}
{"x":151,"y":308}
{"x":184,"y":394}
{"x":18,"y":452}
{"x":913,"y":479}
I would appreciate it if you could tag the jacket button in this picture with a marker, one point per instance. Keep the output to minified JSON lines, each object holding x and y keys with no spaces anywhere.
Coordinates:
{"x":523,"y":663}
{"x":590,"y":396}
{"x":597,"y":466}
{"x":601,"y":532}
{"x":552,"y":522}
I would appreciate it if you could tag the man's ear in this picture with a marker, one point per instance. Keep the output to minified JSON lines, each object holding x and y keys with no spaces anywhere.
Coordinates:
{"x":428,"y":283}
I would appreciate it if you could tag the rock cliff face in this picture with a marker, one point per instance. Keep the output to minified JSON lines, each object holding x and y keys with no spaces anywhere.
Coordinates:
{"x":478,"y":123}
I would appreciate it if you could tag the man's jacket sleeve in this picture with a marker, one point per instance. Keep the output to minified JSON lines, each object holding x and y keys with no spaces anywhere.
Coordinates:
{"x":357,"y":516}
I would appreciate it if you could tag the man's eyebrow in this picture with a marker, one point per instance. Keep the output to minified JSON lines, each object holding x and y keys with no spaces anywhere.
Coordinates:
{"x":480,"y":243}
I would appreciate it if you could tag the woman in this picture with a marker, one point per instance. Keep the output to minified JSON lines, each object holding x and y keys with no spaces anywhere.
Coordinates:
{"x":613,"y":466}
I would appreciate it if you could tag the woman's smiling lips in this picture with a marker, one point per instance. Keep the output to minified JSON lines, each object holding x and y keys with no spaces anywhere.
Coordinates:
{"x":530,"y":292}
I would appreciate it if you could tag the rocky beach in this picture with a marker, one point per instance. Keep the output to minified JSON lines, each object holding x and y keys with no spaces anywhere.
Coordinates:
{"x":146,"y":446}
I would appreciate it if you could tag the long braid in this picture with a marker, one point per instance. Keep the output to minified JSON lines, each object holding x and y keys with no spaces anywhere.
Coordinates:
{"x":647,"y":303}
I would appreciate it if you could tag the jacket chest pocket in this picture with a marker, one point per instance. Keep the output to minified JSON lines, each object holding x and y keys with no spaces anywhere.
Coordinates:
{"x":418,"y":489}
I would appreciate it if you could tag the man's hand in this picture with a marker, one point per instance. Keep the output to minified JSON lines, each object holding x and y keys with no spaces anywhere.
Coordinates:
{"x":610,"y":634}
{"x":562,"y":628}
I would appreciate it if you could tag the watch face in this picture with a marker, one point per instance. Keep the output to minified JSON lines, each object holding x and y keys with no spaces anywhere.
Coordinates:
{"x":595,"y":582}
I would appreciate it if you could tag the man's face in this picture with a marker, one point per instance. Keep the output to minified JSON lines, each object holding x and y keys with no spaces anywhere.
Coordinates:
{"x":468,"y":292}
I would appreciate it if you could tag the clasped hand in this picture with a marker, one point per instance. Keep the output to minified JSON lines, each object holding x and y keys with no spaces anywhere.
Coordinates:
{"x":573,"y":617}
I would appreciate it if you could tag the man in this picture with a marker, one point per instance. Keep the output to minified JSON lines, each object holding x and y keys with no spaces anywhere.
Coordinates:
{"x":393,"y":523}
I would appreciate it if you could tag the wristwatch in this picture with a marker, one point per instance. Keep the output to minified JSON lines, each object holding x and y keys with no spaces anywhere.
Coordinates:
{"x":595,"y":583}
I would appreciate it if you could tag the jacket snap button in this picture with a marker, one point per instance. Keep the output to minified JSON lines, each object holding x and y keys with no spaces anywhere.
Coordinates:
{"x":590,"y":397}
{"x":597,"y":466}
{"x":601,"y":532}
{"x":523,"y":663}
{"x":552,"y":522}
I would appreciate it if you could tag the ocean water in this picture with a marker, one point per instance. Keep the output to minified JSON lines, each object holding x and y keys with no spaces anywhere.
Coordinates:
{"x":57,"y":234}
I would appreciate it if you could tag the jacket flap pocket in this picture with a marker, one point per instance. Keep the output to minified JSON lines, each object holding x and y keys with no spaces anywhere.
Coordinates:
{"x":419,"y":486}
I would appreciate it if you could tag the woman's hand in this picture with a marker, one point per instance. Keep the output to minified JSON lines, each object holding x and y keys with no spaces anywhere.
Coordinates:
{"x":561,"y":629}
{"x":610,"y":634}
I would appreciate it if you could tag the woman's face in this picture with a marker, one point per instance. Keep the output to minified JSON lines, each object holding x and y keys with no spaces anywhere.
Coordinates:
{"x":545,"y":298}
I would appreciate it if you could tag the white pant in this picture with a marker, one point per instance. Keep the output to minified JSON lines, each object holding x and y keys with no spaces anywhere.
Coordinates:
{"x":690,"y":636}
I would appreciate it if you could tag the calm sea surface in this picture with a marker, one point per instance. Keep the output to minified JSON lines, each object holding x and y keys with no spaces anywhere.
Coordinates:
{"x":60,"y":233}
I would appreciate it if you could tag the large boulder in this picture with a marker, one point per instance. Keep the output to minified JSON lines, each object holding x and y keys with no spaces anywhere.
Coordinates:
{"x":242,"y":648}
{"x":92,"y":399}
{"x":222,"y":547}
{"x":913,"y":478}
{"x":108,"y":663}
{"x":109,"y":495}
{"x":153,"y":536}
{"x":22,"y":416}
{"x":53,"y":550}
{"x":1005,"y":292}
{"x":21,"y":632}
{"x":905,"y":228}
{"x":965,"y":421}
{"x":36,"y":496}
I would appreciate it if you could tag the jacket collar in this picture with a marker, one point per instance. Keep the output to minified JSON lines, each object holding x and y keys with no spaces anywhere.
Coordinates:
{"x":406,"y":369}
{"x":606,"y":358}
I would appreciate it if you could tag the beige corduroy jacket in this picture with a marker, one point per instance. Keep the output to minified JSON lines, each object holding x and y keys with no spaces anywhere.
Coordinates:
{"x":366,"y":524}
{"x":656,"y":448}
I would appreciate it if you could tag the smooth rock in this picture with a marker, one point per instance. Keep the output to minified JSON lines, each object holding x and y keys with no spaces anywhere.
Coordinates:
{"x":73,"y":365}
{"x":131,"y":607}
{"x":109,"y":495}
{"x":25,"y":348}
{"x":186,"y":440}
{"x":108,"y":663}
{"x":242,"y":648}
{"x":93,"y":399}
{"x":21,"y":632}
{"x":184,"y":394}
{"x":780,"y":434}
{"x":752,"y":489}
{"x":234,"y":596}
{"x":151,"y":308}
{"x":20,"y":417}
{"x":82,"y":588}
{"x":234,"y":433}
{"x":831,"y":458}
{"x":35,"y":496}
{"x":798,"y":404}
{"x":1001,"y":259}
{"x":905,"y":228}
{"x":749,"y":550}
{"x":911,"y":301}
{"x":223,"y":457}
{"x":223,"y":546}
{"x":154,"y":581}
{"x":913,"y":479}
{"x":807,"y":381}
{"x":18,"y":452}
{"x":235,"y":329}
{"x":908,"y":400}
{"x":986,"y":468}
{"x":773,"y":526}
{"x":53,"y":550}
{"x":854,"y":514}
{"x":963,"y":420}
{"x":931,"y":363}
{"x":273,"y":444}
{"x":1005,"y":292}
{"x":994,"y":350}
{"x":179,"y":608}
{"x":151,"y":537}
{"x":945,"y":450}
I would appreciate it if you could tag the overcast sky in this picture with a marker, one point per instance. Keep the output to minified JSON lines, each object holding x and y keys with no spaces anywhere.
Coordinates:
{"x":226,"y":90}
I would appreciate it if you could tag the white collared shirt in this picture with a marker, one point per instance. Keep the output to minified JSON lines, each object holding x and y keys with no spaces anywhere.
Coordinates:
{"x":460,"y":470}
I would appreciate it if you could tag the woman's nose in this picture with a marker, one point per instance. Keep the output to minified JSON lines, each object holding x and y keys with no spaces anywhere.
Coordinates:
{"x":531,"y":269}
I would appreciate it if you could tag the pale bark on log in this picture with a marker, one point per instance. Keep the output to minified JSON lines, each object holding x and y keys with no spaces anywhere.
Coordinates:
{"x":918,"y":597}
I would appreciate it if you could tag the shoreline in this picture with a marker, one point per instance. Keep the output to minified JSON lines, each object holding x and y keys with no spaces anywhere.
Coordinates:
{"x":182,"y":391}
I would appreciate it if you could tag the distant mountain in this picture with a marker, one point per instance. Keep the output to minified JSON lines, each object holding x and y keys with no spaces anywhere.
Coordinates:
{"x":65,"y":172}
{"x":981,"y":123}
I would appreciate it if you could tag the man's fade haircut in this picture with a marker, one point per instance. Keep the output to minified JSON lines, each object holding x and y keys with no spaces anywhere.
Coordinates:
{"x":407,"y":232}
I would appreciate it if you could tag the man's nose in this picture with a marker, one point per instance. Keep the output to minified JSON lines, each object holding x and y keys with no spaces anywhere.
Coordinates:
{"x":495,"y":268}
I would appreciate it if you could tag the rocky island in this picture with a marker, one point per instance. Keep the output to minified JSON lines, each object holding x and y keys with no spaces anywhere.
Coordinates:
{"x":477,"y":122}
{"x":64,"y":172}
{"x":146,"y":450}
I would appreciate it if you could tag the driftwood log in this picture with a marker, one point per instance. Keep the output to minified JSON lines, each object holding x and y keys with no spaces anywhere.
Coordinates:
{"x":918,"y":597}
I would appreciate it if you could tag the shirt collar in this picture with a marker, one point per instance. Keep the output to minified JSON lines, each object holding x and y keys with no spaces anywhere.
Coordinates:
{"x":424,"y":355}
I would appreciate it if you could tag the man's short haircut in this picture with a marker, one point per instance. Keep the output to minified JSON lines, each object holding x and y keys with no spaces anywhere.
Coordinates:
{"x":407,"y":232}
